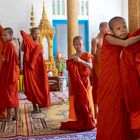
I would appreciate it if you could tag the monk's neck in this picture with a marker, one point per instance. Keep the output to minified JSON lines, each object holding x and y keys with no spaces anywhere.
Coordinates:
{"x":36,"y":40}
{"x":78,"y":53}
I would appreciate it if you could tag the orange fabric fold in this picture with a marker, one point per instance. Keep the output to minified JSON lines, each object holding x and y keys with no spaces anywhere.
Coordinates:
{"x":1,"y":45}
{"x":94,"y":86}
{"x":80,"y":86}
{"x":35,"y":73}
{"x":112,"y":119}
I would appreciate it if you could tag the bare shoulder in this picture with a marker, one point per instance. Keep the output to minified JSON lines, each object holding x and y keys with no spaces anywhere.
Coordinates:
{"x":95,"y":39}
{"x":15,"y":42}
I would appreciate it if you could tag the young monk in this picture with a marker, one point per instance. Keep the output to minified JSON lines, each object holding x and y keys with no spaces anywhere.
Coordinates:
{"x":113,"y":122}
{"x":96,"y":45}
{"x":35,"y":72}
{"x":79,"y":67}
{"x":131,"y":87}
{"x":3,"y":112}
{"x":9,"y":74}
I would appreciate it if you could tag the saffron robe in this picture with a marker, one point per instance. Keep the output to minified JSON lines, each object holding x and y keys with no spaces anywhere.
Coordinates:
{"x":1,"y":45}
{"x":112,"y":119}
{"x":129,"y":76}
{"x":94,"y":85}
{"x":80,"y":87}
{"x":96,"y":71}
{"x":35,"y":73}
{"x":3,"y":112}
{"x":9,"y":78}
{"x":131,"y":83}
{"x":72,"y":114}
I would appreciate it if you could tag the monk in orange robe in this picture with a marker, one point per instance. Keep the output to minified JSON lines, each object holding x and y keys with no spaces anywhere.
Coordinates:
{"x":79,"y":67}
{"x":96,"y":45}
{"x":35,"y":72}
{"x":131,"y":87}
{"x":9,"y":75}
{"x":113,"y":119}
{"x":3,"y":112}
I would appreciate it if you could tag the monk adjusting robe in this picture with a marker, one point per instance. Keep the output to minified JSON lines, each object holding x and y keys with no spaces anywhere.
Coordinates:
{"x":72,"y":114}
{"x":9,"y":78}
{"x":112,"y":119}
{"x":3,"y":112}
{"x":35,"y":73}
{"x":80,"y":88}
{"x":131,"y":83}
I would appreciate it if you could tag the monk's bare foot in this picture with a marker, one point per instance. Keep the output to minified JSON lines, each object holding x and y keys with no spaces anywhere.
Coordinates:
{"x":15,"y":118}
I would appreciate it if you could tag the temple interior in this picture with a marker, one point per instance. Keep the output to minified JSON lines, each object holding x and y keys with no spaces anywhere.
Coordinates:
{"x":59,"y":21}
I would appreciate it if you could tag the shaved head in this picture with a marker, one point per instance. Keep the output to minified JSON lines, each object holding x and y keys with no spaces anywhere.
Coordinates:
{"x":102,"y":24}
{"x":8,"y":30}
{"x":114,"y":20}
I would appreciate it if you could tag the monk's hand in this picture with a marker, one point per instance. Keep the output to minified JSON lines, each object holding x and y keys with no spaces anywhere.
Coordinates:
{"x":76,"y":59}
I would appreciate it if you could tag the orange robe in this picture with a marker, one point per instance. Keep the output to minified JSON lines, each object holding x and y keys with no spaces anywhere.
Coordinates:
{"x":35,"y":73}
{"x":9,"y":78}
{"x":130,"y":63}
{"x":96,"y":70}
{"x":72,"y":114}
{"x":94,"y":85}
{"x":3,"y":112}
{"x":112,"y":119}
{"x":79,"y":87}
{"x":1,"y":45}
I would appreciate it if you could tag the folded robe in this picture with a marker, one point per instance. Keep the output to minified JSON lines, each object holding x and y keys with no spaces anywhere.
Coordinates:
{"x":3,"y":112}
{"x":9,"y":75}
{"x":80,"y":86}
{"x":129,"y":75}
{"x":35,"y":73}
{"x":112,"y":119}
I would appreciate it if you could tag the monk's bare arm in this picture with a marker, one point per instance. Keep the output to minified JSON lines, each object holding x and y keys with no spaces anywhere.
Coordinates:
{"x":87,"y":64}
{"x":94,"y":46}
{"x":120,"y":42}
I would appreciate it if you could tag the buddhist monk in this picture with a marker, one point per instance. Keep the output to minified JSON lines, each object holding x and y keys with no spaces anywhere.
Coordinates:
{"x":35,"y":72}
{"x":9,"y":74}
{"x":113,"y":119}
{"x":131,"y":87}
{"x":129,"y":65}
{"x":79,"y":67}
{"x":96,"y":45}
{"x":3,"y":112}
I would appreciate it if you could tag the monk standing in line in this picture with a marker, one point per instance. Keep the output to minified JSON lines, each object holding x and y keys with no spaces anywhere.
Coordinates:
{"x":9,"y":74}
{"x":3,"y":112}
{"x":96,"y":45}
{"x":35,"y":72}
{"x":129,"y":68}
{"x":113,"y":121}
{"x":79,"y":67}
